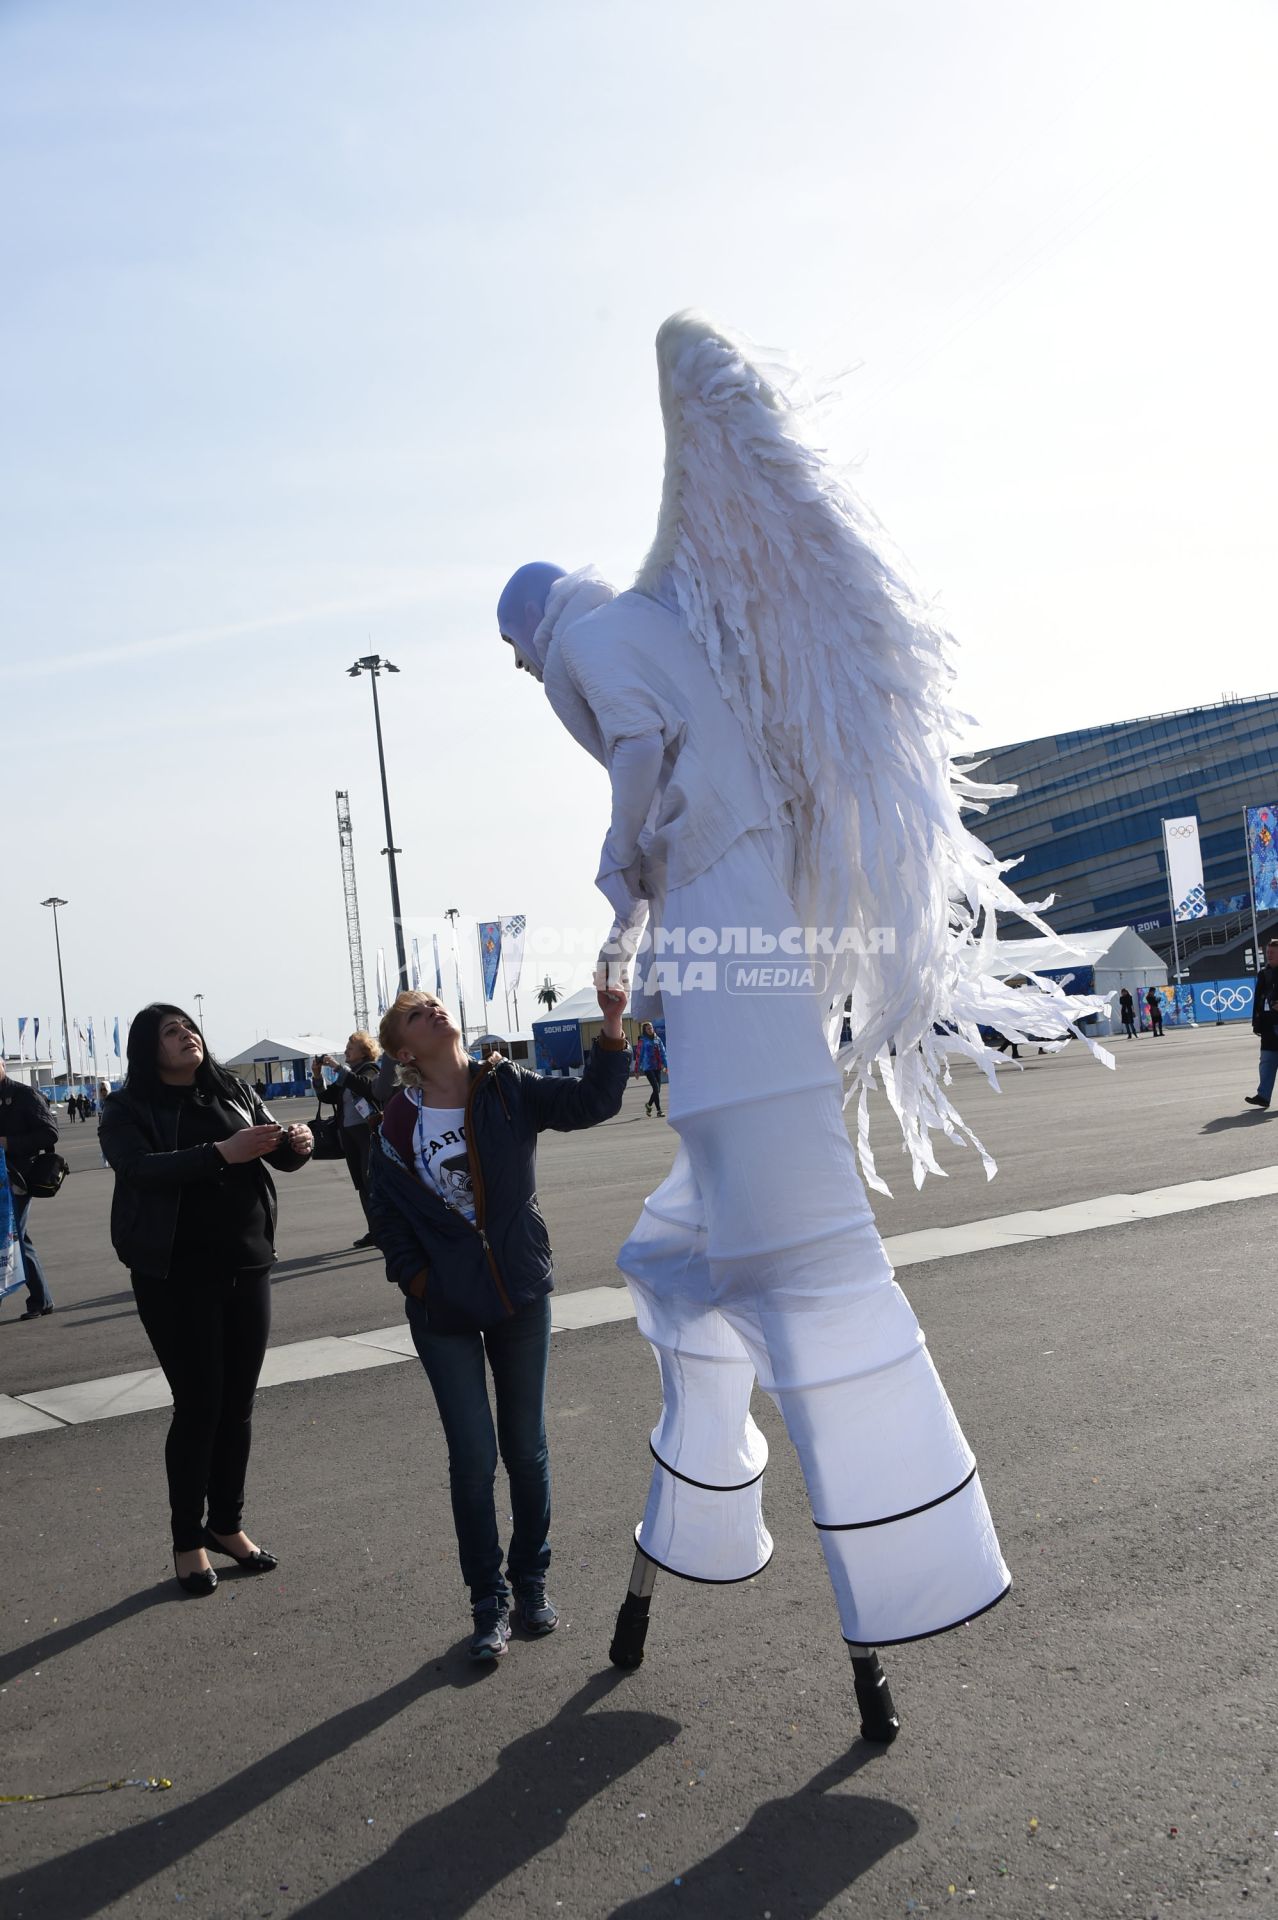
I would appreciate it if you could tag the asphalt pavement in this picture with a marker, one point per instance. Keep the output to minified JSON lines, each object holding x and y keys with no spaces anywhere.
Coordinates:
{"x":1101,"y":1744}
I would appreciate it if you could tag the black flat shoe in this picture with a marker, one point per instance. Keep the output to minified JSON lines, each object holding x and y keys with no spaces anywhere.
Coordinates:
{"x":197,"y":1584}
{"x":259,"y":1561}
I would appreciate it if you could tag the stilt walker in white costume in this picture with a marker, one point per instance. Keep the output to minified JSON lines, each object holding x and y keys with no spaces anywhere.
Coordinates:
{"x":771,"y":702}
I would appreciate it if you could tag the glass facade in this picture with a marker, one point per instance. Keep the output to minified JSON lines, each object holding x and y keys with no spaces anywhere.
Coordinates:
{"x":1086,"y":821}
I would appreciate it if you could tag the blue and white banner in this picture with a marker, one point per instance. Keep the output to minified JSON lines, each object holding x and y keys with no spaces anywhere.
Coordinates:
{"x":490,"y":954}
{"x":117,"y":1036}
{"x":415,"y":979}
{"x":1222,"y":1000}
{"x":512,"y":949}
{"x":383,"y":997}
{"x":12,"y":1275}
{"x":22,"y":1036}
{"x":439,"y":978}
{"x":1185,"y":868}
{"x":1262,"y":854}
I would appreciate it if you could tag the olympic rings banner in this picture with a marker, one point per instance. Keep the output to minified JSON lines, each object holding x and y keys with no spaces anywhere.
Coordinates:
{"x":1222,"y":1000}
{"x":1185,"y":868}
{"x":1262,"y":851}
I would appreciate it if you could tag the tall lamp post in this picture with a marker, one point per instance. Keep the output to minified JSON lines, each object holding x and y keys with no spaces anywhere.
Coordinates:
{"x":199,"y":1009}
{"x":372,"y":664}
{"x":54,"y":902}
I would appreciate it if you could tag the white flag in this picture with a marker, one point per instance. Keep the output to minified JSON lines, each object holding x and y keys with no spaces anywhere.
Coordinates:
{"x":417,"y":966}
{"x":383,"y":999}
{"x":512,"y":949}
{"x":1185,"y":868}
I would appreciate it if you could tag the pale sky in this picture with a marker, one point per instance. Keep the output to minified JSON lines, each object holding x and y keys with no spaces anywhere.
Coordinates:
{"x":319,"y":320}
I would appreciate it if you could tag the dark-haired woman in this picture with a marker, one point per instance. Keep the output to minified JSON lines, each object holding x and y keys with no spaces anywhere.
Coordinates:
{"x":193,"y":1219}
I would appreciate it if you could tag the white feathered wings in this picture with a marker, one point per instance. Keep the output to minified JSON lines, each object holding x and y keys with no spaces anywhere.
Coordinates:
{"x":838,"y":672}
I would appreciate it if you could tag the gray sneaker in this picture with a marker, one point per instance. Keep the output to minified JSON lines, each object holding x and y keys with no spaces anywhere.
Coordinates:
{"x":491,"y":1636}
{"x":536,"y":1614}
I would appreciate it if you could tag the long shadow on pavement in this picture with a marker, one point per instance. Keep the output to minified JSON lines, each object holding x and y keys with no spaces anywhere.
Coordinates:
{"x":84,"y":1881}
{"x":1228,"y":1121}
{"x":62,"y":1639}
{"x":793,"y":1857}
{"x":448,"y":1861}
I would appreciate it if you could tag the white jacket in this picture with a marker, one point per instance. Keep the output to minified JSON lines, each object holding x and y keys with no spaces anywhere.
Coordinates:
{"x":630,"y":671}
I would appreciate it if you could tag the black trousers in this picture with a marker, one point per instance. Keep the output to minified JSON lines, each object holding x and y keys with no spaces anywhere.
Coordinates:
{"x":356,"y":1142}
{"x":210,"y":1338}
{"x":654,"y":1081}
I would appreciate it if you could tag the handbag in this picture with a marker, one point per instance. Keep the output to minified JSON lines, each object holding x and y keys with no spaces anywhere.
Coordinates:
{"x":42,"y":1176}
{"x":327,"y":1135}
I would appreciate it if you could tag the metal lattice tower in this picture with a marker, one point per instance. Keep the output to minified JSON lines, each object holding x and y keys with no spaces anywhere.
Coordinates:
{"x":354,"y":938}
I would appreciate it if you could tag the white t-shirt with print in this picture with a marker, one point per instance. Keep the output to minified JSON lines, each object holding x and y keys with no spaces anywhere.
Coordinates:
{"x":439,"y":1153}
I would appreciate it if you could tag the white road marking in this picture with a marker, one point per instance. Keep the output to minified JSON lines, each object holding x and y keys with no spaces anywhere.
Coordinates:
{"x":122,"y":1393}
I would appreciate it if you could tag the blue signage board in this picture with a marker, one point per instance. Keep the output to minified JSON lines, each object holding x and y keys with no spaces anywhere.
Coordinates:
{"x":1216,"y":1000}
{"x":557,"y":1044}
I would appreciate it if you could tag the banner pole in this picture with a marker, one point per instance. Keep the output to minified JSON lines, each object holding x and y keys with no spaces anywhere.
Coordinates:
{"x":1171,"y":901}
{"x":1251,"y":894}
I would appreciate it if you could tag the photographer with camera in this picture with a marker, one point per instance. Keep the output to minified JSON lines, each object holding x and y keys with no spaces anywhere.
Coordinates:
{"x":354,"y":1094}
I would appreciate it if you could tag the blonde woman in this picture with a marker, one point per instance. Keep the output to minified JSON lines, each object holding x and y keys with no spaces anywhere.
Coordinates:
{"x":453,"y":1198}
{"x":354,"y":1095}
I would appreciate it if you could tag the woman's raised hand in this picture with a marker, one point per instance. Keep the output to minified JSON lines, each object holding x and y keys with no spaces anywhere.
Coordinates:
{"x":251,"y":1143}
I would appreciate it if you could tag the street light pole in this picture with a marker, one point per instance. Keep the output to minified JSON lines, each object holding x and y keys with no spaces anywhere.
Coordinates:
{"x":199,"y":1005}
{"x":372,"y":664}
{"x":54,"y":902}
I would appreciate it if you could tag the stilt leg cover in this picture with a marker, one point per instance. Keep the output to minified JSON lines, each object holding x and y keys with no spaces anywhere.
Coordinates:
{"x":704,"y":1517}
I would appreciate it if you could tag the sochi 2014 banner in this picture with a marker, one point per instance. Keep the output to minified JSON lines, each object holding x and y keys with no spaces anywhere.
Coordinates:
{"x":512,"y":948}
{"x":11,"y":1273}
{"x":1262,"y":852}
{"x":1185,"y":868}
{"x":490,"y":954}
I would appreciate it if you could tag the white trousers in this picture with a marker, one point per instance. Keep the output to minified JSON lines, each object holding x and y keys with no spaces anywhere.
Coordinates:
{"x":758,"y":1257}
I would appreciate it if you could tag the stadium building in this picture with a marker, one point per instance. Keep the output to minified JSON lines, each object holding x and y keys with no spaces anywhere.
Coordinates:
{"x":1087,"y":819}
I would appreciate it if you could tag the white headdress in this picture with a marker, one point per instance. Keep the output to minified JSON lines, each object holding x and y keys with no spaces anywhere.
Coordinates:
{"x":838,"y":672}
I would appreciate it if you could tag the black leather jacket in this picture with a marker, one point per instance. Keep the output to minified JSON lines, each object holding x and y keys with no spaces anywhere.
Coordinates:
{"x":26,"y":1124}
{"x":139,"y":1141}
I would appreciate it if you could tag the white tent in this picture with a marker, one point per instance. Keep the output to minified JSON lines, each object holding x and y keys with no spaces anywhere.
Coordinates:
{"x":283,"y":1062}
{"x":1102,"y":962}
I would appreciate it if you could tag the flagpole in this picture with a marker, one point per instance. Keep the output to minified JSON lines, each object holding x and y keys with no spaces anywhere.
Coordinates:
{"x":1251,"y":894}
{"x":1171,"y":901}
{"x":450,"y":915}
{"x":501,"y":955}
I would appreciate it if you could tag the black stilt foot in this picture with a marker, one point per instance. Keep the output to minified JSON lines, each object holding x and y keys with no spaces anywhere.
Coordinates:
{"x":879,"y":1720}
{"x":631,"y":1631}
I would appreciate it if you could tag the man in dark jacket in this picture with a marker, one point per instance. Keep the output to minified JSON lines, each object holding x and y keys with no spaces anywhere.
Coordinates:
{"x":26,"y":1129}
{"x":1264,"y":1024}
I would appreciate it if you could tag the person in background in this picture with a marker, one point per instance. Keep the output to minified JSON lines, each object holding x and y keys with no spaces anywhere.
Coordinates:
{"x":1154,"y":1003}
{"x":354,"y":1095}
{"x":452,"y":1193}
{"x":26,"y":1129}
{"x":650,"y":1061}
{"x":193,"y":1219}
{"x":1264,"y":1024}
{"x":1127,"y":1008}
